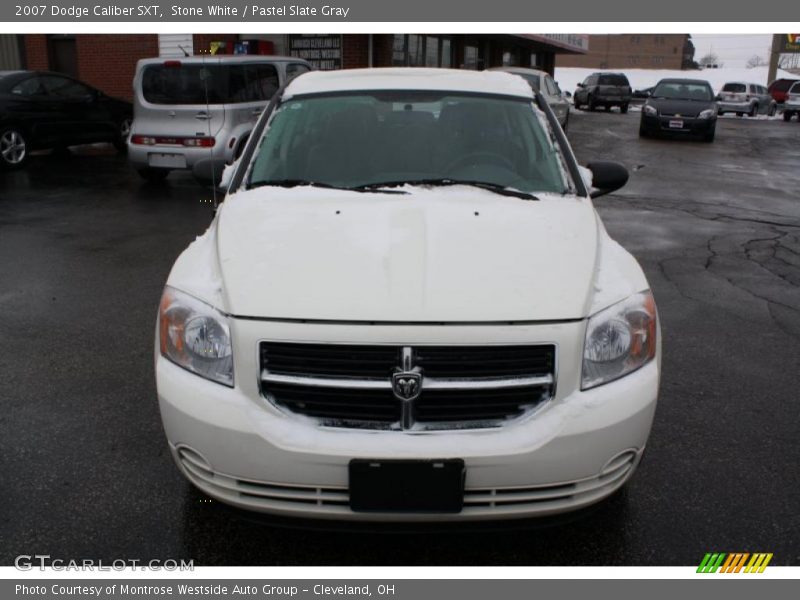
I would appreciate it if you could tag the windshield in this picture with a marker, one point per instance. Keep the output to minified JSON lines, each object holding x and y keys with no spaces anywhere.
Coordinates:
{"x":683,"y":90}
{"x":734,"y":87}
{"x":373,"y":138}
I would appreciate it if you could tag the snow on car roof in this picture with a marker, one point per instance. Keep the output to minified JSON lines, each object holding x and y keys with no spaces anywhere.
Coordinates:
{"x":404,"y":78}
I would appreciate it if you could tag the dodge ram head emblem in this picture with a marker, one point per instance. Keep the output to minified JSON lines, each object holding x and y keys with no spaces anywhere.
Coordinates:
{"x":406,"y":385}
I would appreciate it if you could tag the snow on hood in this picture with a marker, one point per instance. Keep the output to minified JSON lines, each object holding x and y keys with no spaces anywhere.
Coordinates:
{"x":431,"y":254}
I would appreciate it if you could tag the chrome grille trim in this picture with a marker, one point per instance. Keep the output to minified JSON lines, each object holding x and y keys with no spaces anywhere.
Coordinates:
{"x":428,"y":383}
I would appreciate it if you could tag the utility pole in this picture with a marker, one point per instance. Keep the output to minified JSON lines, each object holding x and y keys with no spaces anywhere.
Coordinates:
{"x":774,"y":56}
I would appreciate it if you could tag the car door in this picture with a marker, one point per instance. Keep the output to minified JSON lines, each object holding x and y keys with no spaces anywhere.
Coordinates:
{"x":34,"y":111}
{"x":554,"y":98}
{"x":85,"y":119}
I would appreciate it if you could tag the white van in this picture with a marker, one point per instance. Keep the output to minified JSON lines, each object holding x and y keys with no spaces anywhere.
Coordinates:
{"x":200,"y":107}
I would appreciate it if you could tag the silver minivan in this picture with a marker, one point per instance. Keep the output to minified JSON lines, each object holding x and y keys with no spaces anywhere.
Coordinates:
{"x":199,"y":107}
{"x":745,"y":98}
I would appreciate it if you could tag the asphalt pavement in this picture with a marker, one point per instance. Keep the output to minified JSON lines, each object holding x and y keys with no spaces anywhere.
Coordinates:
{"x":85,"y":248}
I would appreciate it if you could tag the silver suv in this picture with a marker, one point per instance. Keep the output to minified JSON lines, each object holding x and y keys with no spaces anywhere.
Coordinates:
{"x":745,"y":98}
{"x":200,"y":107}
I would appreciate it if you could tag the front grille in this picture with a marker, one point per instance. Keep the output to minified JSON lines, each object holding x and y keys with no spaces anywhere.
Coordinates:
{"x":403,"y":387}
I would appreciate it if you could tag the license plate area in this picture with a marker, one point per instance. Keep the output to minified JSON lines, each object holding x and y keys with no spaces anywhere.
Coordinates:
{"x":676,"y":124}
{"x":407,"y":486}
{"x":167,"y":160}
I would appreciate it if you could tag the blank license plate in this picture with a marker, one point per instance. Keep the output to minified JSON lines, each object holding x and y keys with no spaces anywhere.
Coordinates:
{"x":167,"y":160}
{"x":411,"y":486}
{"x":676,"y":124}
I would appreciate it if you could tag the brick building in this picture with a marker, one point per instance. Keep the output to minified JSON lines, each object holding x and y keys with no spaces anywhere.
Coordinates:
{"x":634,"y":51}
{"x":108,"y":61}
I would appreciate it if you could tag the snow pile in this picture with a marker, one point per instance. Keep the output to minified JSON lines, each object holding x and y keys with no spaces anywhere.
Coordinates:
{"x":569,"y":77}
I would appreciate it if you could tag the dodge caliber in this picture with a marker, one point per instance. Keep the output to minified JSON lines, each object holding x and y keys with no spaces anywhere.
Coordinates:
{"x":407,"y":308}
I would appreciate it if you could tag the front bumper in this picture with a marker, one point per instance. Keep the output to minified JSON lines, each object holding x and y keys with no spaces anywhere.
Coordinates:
{"x":656,"y":124}
{"x":239,"y":449}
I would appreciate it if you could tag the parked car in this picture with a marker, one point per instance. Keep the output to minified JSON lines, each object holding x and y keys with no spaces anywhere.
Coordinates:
{"x":745,"y":98}
{"x":41,"y":110}
{"x":792,"y":105}
{"x":680,"y":107}
{"x":407,"y":308}
{"x":195,"y":107}
{"x":541,"y":81}
{"x":603,"y":89}
{"x":779,"y":88}
{"x":643,"y":94}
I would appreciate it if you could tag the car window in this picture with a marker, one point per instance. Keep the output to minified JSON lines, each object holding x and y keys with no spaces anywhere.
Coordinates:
{"x":295,"y":69}
{"x":408,"y":136}
{"x":795,"y":89}
{"x":613,"y":79}
{"x":175,"y":83}
{"x":680,"y":90}
{"x":28,"y":87}
{"x":551,"y":86}
{"x":66,"y":89}
{"x":736,"y":88}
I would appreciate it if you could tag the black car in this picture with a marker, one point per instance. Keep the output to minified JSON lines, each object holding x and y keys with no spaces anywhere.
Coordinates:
{"x":680,"y":107}
{"x":50,"y":110}
{"x":603,"y":89}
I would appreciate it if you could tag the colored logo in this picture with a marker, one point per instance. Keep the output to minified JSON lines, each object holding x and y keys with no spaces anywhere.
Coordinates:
{"x":794,"y":38}
{"x":734,"y":562}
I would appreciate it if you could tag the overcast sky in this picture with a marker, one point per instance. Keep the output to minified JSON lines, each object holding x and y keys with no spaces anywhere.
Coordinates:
{"x":733,"y":49}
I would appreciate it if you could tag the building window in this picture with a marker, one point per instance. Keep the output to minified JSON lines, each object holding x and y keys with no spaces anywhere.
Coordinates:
{"x":534,"y":60}
{"x":511,"y":58}
{"x":470,"y":57}
{"x":421,"y":51}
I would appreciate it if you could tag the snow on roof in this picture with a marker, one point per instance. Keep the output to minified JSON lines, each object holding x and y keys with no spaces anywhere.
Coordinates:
{"x":404,"y":78}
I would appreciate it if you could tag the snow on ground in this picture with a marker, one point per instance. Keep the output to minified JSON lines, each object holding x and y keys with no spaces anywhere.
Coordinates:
{"x":569,"y":77}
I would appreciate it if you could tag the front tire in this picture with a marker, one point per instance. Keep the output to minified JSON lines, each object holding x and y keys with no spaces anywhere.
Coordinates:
{"x":623,"y":109}
{"x":13,"y":148}
{"x":709,"y":137}
{"x":787,"y":116}
{"x":753,"y":111}
{"x":772,"y":110}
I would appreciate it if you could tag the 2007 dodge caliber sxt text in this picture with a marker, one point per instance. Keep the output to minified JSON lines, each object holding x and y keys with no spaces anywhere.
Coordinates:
{"x":407,"y":308}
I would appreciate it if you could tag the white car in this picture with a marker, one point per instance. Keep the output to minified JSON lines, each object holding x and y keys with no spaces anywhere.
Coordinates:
{"x":407,"y":308}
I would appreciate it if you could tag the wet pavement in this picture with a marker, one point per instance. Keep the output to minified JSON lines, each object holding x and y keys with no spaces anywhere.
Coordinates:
{"x":85,"y":248}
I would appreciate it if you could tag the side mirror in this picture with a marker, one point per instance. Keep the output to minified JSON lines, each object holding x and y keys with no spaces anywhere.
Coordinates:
{"x":607,"y":177}
{"x":209,"y":172}
{"x":580,"y":85}
{"x":568,"y":94}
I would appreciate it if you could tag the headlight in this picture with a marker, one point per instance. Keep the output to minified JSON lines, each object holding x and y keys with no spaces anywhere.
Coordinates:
{"x":195,"y":336}
{"x":650,"y":110}
{"x":706,"y":114}
{"x":619,"y":340}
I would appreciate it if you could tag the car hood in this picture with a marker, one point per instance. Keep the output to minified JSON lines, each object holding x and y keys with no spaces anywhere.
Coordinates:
{"x":685,"y":108}
{"x":435,"y":254}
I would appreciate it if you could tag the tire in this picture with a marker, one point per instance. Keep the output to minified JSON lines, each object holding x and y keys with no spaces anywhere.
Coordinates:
{"x":787,"y":116}
{"x":124,"y":128}
{"x":772,"y":110}
{"x":709,"y":137}
{"x":623,"y":109}
{"x":607,"y":108}
{"x":153,"y":175}
{"x":566,"y":122}
{"x":591,"y":104}
{"x":643,"y":133}
{"x":720,"y":113}
{"x":753,"y":111}
{"x":739,"y":114}
{"x":13,"y":148}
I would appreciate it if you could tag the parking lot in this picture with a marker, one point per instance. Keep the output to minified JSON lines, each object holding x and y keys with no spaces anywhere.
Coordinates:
{"x":86,"y":248}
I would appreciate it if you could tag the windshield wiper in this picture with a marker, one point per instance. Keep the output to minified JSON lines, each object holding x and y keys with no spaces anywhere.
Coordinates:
{"x":492,"y":187}
{"x":290,"y":183}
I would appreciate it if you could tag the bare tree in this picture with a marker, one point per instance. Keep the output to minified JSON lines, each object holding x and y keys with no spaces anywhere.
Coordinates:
{"x":756,"y":61}
{"x":710,"y":60}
